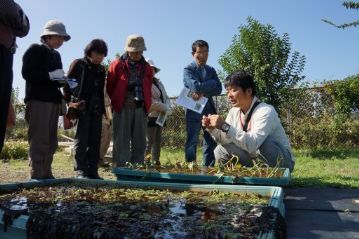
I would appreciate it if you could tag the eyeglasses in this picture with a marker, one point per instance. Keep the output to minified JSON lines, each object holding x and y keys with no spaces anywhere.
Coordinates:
{"x":200,"y":52}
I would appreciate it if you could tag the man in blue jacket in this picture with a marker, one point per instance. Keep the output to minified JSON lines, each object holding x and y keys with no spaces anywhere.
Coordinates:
{"x":202,"y":80}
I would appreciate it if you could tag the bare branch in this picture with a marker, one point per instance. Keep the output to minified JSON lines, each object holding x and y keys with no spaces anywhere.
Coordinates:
{"x":342,"y":26}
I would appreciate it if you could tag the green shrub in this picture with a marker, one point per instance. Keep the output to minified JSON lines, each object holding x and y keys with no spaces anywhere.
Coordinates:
{"x":325,"y":133}
{"x":172,"y":139}
{"x":69,"y":133}
{"x":19,"y":132}
{"x":15,"y":150}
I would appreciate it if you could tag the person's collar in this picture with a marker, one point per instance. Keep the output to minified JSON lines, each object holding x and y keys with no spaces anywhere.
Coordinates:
{"x":92,"y":66}
{"x":198,"y":66}
{"x":45,"y":44}
{"x":254,"y":99}
{"x":89,"y":62}
{"x":132,"y":62}
{"x":124,"y":56}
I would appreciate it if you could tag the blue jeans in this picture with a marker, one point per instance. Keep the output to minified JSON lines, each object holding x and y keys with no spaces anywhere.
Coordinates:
{"x":270,"y":151}
{"x":193,"y":127}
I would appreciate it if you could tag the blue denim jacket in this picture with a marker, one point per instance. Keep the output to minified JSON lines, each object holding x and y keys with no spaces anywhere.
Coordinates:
{"x":208,"y":86}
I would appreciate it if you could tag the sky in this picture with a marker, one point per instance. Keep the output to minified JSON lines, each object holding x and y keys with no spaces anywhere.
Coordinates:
{"x":170,"y":27}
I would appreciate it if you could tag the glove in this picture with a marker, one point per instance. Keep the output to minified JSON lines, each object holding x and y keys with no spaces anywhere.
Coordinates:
{"x":57,"y":74}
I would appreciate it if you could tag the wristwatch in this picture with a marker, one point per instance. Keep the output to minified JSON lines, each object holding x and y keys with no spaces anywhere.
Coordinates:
{"x":225,"y":127}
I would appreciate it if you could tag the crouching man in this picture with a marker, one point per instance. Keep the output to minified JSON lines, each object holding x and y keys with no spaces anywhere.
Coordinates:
{"x":252,"y":128}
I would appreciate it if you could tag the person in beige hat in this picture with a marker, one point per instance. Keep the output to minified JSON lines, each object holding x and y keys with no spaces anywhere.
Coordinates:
{"x":44,"y":76}
{"x":54,"y":28}
{"x":135,"y":43}
{"x":129,"y":84}
{"x":160,"y":106}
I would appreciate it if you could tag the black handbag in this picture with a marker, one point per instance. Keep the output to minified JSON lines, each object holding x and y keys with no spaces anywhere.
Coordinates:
{"x":76,"y":109}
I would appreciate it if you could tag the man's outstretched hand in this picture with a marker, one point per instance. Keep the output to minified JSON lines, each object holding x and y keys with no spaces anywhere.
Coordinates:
{"x":212,"y":121}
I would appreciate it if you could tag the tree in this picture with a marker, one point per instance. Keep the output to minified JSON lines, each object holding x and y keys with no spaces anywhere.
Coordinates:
{"x":347,"y":5}
{"x":259,"y":50}
{"x":345,"y":94}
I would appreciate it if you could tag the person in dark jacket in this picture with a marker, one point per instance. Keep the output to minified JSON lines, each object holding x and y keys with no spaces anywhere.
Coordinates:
{"x":42,"y":70}
{"x":90,"y":75}
{"x":13,"y":23}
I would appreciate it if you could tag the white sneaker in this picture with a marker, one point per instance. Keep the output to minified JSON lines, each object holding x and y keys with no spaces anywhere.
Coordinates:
{"x":191,"y":165}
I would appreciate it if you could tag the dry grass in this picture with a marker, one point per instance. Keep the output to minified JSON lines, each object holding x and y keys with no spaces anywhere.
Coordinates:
{"x":321,"y":168}
{"x":62,"y":167}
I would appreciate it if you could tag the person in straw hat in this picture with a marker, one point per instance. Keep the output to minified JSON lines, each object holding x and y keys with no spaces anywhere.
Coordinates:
{"x":43,"y":73}
{"x":129,"y":84}
{"x":160,"y":107}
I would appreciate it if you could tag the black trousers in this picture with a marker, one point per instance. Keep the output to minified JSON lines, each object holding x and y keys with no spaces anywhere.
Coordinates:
{"x":87,"y":144}
{"x":6,"y":75}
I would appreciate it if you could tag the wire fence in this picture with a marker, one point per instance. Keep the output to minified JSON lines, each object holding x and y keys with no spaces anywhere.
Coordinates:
{"x":307,"y":127}
{"x":313,"y":130}
{"x":174,"y":133}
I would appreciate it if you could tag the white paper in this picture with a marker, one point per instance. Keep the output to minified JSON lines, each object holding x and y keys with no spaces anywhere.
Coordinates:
{"x":72,"y":83}
{"x":60,"y":80}
{"x":185,"y":100}
{"x":161,"y":119}
{"x":108,"y":112}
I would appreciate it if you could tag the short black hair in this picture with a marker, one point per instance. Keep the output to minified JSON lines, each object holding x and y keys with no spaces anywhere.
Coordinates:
{"x":241,"y":79}
{"x":96,"y":45}
{"x":199,"y":43}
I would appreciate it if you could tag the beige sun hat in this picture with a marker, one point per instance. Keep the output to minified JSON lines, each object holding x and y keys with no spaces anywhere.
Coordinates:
{"x":152,"y":64}
{"x":55,"y":27}
{"x":135,"y":43}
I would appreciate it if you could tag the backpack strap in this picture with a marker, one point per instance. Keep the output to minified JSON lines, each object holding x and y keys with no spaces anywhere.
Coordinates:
{"x":245,"y":126}
{"x":82,"y":79}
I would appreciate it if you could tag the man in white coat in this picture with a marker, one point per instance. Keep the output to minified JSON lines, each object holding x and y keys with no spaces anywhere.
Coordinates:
{"x":252,"y":128}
